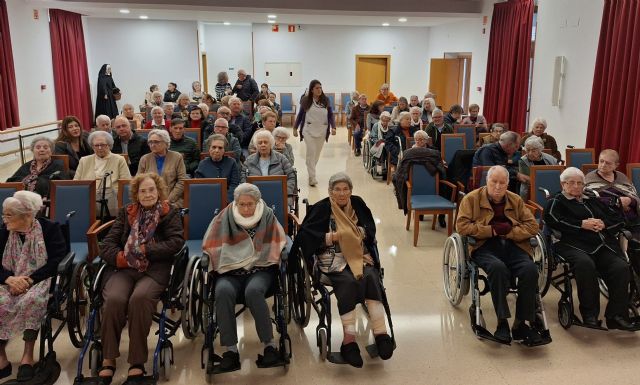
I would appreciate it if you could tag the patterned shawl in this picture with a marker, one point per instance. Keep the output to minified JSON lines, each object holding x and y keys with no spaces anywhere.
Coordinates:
{"x":143,"y":225}
{"x":30,"y":180}
{"x":23,"y":258}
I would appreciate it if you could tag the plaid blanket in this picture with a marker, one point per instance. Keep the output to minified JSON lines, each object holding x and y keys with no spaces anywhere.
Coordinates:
{"x":230,"y":247}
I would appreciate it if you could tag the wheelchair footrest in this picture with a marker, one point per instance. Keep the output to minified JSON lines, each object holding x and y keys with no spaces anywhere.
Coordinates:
{"x":214,"y":367}
{"x":283,"y":361}
{"x":146,"y":380}
{"x":484,"y":334}
{"x":89,"y":381}
{"x":578,"y":322}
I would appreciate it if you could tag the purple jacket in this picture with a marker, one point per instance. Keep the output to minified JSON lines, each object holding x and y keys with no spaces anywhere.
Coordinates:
{"x":302,"y":114}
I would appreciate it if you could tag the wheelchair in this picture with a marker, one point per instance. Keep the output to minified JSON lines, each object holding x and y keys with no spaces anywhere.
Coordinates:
{"x":309,"y":287}
{"x":92,"y":278}
{"x":461,"y":274}
{"x":206,"y":283}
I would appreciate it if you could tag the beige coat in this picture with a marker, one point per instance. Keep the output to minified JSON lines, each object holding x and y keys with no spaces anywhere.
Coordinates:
{"x":173,"y":172}
{"x":87,"y":171}
{"x":475,"y":212}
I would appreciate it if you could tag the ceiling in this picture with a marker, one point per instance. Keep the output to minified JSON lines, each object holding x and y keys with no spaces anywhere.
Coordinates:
{"x":419,"y":13}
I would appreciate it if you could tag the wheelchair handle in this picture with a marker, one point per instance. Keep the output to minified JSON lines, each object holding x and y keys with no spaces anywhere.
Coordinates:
{"x":70,"y":214}
{"x":546,"y":192}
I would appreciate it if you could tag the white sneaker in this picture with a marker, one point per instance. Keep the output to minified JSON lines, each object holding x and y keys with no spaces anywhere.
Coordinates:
{"x":313,"y":182}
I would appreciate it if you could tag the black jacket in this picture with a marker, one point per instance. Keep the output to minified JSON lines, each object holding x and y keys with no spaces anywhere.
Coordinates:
{"x":64,"y":148}
{"x":493,"y":155}
{"x":136,"y":148}
{"x":42,"y":184}
{"x":311,"y":235}
{"x":243,"y":124}
{"x":436,"y":136}
{"x":565,"y":216}
{"x":249,"y":90}
{"x":427,"y":157}
{"x":226,"y":168}
{"x":391,"y":142}
{"x":171,"y":96}
{"x":56,"y":250}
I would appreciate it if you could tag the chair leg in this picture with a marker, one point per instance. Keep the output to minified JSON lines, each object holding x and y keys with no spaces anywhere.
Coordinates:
{"x":409,"y":211}
{"x":416,"y":228}
{"x":449,"y":222}
{"x":433,"y":222}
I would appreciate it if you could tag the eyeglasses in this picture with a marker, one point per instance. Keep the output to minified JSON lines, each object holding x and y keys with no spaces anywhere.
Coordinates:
{"x":281,"y":138}
{"x":99,"y":145}
{"x":574,"y":183}
{"x":154,"y":142}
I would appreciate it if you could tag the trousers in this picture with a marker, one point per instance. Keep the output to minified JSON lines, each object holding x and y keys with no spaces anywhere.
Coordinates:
{"x":314,"y":148}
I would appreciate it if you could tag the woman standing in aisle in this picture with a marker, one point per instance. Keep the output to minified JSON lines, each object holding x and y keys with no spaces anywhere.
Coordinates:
{"x":316,"y":120}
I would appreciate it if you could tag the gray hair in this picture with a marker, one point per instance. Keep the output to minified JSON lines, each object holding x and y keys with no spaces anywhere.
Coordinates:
{"x":354,"y":94}
{"x":219,"y":137}
{"x":403,"y":115}
{"x":431,"y":101}
{"x":234,"y":99}
{"x":23,"y":203}
{"x":384,"y":85}
{"x":156,"y":93}
{"x":571,"y":172}
{"x":128,"y":105}
{"x":339,"y":178}
{"x":281,"y":131}
{"x":203,"y":107}
{"x":538,"y":121}
{"x":219,"y":122}
{"x":421,"y":134}
{"x":157,"y":108}
{"x":493,"y":169}
{"x":385,"y":114}
{"x":509,"y":137}
{"x":163,"y":134}
{"x":247,"y":189}
{"x":167,"y":104}
{"x":495,"y":125}
{"x":264,"y":134}
{"x":103,"y":118}
{"x":414,"y":108}
{"x":97,"y":134}
{"x":182,"y":96}
{"x":533,"y":143}
{"x":42,"y":138}
{"x":436,"y":111}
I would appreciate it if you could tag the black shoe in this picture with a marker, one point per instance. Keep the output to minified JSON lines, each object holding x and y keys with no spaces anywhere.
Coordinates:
{"x":525,"y":333}
{"x":135,"y":378}
{"x":6,"y":371}
{"x":269,"y":357}
{"x":230,"y":361}
{"x":591,"y":321}
{"x":441,"y":221}
{"x":358,"y":152}
{"x":106,"y":380}
{"x":384,"y":343}
{"x":503,"y":334}
{"x":621,"y":323}
{"x":25,"y":373}
{"x":351,"y":354}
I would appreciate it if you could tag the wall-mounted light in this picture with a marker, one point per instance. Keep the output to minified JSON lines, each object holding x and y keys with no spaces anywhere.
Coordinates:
{"x":271,"y":21}
{"x":385,"y":24}
{"x":125,"y":11}
{"x":226,"y":23}
{"x":143,"y":17}
{"x":402,"y":19}
{"x":272,"y":16}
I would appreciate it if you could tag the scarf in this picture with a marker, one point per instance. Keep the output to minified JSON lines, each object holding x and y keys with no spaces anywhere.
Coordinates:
{"x":349,"y":237}
{"x":30,"y":180}
{"x":23,"y":258}
{"x":230,"y":246}
{"x":143,"y":226}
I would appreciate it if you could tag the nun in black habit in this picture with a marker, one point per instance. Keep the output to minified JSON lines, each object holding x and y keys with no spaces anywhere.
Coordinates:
{"x":105,"y":101}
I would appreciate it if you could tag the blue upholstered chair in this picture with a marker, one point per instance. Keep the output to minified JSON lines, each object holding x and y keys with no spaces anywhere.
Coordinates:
{"x":124,"y":192}
{"x":143,"y":133}
{"x":204,"y":197}
{"x":274,"y":193}
{"x":479,"y":175}
{"x":547,"y":178}
{"x":8,"y":189}
{"x":469,"y":132}
{"x":287,"y":105}
{"x":449,"y":144}
{"x":423,"y":197}
{"x":576,"y":157}
{"x":78,"y":196}
{"x":633,"y":172}
{"x":193,"y":133}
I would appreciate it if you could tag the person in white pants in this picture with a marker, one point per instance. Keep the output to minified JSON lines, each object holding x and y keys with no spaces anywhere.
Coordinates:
{"x":316,"y":120}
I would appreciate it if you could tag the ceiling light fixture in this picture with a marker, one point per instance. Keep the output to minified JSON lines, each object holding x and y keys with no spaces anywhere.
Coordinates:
{"x":226,"y":23}
{"x":272,"y":16}
{"x":143,"y":17}
{"x":402,"y":19}
{"x":385,"y":24}
{"x":271,"y":21}
{"x":125,"y":11}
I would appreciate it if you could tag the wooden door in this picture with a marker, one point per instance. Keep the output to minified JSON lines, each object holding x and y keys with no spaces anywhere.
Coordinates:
{"x":371,"y":72}
{"x":445,"y":80}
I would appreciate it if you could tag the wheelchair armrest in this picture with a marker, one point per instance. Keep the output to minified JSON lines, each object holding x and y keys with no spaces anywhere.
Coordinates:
{"x":546,"y":192}
{"x":626,"y":233}
{"x":533,"y":241}
{"x":471,"y":240}
{"x":535,"y":205}
{"x":184,"y":212}
{"x":66,"y":263}
{"x":92,"y":238}
{"x":204,"y":262}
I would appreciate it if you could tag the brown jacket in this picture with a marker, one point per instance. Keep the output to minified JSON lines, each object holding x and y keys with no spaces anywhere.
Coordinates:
{"x":174,"y":173}
{"x":475,"y":212}
{"x":167,"y":241}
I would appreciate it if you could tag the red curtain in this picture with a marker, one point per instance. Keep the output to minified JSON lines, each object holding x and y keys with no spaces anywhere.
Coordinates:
{"x":614,"y":116}
{"x":8,"y":91}
{"x":70,"y":74}
{"x":507,"y":83}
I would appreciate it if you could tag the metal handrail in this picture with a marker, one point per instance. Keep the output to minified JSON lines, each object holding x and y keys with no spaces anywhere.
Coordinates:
{"x":20,"y":137}
{"x":18,"y":129}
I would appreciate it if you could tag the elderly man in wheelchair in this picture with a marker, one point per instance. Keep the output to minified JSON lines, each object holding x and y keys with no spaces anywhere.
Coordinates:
{"x":499,"y":228}
{"x":586,"y":235}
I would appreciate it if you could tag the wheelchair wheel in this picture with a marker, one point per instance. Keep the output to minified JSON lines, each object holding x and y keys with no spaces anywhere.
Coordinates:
{"x":191,"y":299}
{"x":565,"y":313}
{"x":455,"y":281}
{"x":78,"y":304}
{"x":165,"y":362}
{"x":541,"y":259}
{"x":603,"y":288}
{"x":321,"y":336}
{"x":300,"y":291}
{"x":365,"y":155}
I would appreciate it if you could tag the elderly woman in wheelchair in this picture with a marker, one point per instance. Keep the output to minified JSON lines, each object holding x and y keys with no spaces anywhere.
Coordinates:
{"x":139,"y":251}
{"x":339,"y":233}
{"x":501,"y":227}
{"x":32,"y":248}
{"x":586,"y":234}
{"x":244,"y":243}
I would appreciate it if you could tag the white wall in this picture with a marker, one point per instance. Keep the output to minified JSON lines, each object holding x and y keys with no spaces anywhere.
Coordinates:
{"x":228,"y":49}
{"x":31,"y":45}
{"x":328,"y":54}
{"x":141,"y":53}
{"x":569,"y":28}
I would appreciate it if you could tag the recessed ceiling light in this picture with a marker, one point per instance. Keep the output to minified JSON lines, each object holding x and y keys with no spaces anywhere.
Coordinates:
{"x":143,"y":17}
{"x":385,"y":24}
{"x":271,"y":21}
{"x":272,"y":16}
{"x":125,"y":11}
{"x":226,"y":23}
{"x":402,"y":19}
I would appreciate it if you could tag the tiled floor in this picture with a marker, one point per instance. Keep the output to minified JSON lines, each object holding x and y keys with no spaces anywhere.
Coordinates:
{"x":435,"y":342}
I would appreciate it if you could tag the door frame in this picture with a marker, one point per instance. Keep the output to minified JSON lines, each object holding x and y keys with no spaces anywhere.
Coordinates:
{"x":388,"y":71}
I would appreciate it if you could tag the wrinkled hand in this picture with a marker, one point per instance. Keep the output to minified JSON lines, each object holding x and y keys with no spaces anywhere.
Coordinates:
{"x":18,"y":285}
{"x":501,"y":228}
{"x":626,"y":202}
{"x":523,"y":178}
{"x":593,"y":224}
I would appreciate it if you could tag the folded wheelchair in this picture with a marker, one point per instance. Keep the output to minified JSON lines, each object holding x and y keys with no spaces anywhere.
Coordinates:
{"x":461,"y":274}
